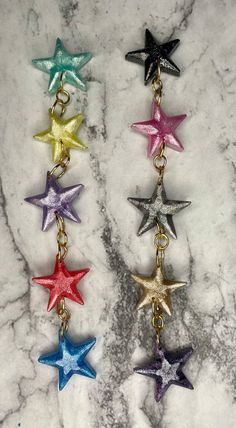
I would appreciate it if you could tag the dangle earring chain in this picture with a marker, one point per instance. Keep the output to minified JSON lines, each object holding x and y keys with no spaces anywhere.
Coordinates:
{"x":57,"y":205}
{"x":158,"y":210}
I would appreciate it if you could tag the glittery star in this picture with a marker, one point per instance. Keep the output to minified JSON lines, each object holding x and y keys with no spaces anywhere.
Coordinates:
{"x":166,"y":369}
{"x":157,"y":287}
{"x":158,"y":210}
{"x":160,"y":129}
{"x":153,"y":53}
{"x":62,"y":283}
{"x":70,"y":359}
{"x":62,"y":134}
{"x":56,"y":199}
{"x":64,"y":64}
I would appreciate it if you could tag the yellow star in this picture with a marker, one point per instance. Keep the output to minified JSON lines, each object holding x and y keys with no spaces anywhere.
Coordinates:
{"x":157,"y":287}
{"x":62,"y":134}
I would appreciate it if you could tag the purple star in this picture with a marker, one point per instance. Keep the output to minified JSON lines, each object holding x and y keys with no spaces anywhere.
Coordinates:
{"x":160,"y":129}
{"x":166,"y":369}
{"x":55,"y":199}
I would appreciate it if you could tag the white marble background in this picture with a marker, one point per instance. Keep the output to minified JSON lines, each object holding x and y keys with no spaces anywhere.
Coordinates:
{"x":116,"y":167}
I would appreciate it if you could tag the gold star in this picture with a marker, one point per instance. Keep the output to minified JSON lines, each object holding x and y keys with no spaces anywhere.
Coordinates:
{"x":62,"y":134}
{"x":157,"y":287}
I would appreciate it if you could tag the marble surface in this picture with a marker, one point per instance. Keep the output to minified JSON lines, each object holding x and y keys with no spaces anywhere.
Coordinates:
{"x":114,"y":168}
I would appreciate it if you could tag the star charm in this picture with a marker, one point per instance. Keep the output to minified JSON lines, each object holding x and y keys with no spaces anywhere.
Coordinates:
{"x":152,"y":54}
{"x":64,"y":64}
{"x":166,"y":369}
{"x":62,"y":135}
{"x":157,"y":287}
{"x":160,"y":129}
{"x":56,"y":199}
{"x":70,"y":359}
{"x":158,"y":210}
{"x":62,"y":283}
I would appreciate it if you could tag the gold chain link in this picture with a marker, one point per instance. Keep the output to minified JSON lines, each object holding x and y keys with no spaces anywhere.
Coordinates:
{"x":157,"y":85}
{"x":62,"y":98}
{"x":157,"y":320}
{"x":62,"y":164}
{"x":160,"y":162}
{"x":64,"y":315}
{"x":62,"y":238}
{"x":161,"y":242}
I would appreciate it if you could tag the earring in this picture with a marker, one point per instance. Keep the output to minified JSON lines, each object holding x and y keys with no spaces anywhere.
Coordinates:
{"x":56,"y":203}
{"x":158,"y":212}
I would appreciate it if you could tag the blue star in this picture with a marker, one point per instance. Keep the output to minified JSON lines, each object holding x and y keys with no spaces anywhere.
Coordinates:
{"x":70,"y":359}
{"x":65,"y":65}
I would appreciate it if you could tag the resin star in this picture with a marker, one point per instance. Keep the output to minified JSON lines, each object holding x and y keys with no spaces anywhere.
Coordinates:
{"x":166,"y":369}
{"x":153,"y":53}
{"x":63,"y":65}
{"x":160,"y":129}
{"x":62,"y":283}
{"x":157,"y":287}
{"x":69,"y":359}
{"x":56,"y":199}
{"x":62,"y":135}
{"x":158,"y":210}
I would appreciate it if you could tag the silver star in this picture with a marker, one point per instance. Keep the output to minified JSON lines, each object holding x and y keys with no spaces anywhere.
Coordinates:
{"x":158,"y":210}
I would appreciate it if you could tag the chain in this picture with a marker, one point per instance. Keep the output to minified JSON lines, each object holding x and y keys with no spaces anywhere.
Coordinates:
{"x":161,"y":242}
{"x":157,"y":85}
{"x":60,"y":103}
{"x":62,"y":165}
{"x":62,"y":98}
{"x":160,"y":162}
{"x":157,"y":320}
{"x":62,"y":238}
{"x":161,"y":239}
{"x":64,"y":315}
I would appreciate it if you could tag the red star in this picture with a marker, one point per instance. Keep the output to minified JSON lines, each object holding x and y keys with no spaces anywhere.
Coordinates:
{"x":62,"y":283}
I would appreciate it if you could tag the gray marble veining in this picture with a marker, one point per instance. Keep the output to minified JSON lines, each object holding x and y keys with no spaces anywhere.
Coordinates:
{"x":115,"y":167}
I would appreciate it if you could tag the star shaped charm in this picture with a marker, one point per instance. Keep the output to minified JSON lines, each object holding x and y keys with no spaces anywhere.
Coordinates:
{"x":70,"y":359}
{"x":62,"y":135}
{"x":65,"y":65}
{"x":157,"y":287}
{"x":158,"y":210}
{"x":152,"y":54}
{"x":62,"y":283}
{"x":56,"y":199}
{"x":160,"y":129}
{"x":166,"y":369}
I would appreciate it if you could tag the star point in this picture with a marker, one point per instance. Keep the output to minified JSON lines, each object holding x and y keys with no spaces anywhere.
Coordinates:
{"x":69,"y":359}
{"x":166,"y":369}
{"x":63,"y":65}
{"x":156,"y":287}
{"x":56,"y":199}
{"x":158,"y":210}
{"x":160,"y":129}
{"x":62,"y":134}
{"x":62,"y":283}
{"x":153,"y":53}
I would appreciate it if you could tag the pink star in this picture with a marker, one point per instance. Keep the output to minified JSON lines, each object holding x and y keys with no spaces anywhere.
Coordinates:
{"x":160,"y":128}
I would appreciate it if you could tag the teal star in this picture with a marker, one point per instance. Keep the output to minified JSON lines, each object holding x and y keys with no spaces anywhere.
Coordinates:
{"x":62,"y":62}
{"x":70,"y":359}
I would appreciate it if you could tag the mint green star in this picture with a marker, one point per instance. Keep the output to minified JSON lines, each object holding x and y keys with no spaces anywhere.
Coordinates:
{"x":63,"y":63}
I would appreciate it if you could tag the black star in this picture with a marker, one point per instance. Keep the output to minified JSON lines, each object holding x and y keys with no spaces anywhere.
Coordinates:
{"x":158,"y":210}
{"x":153,"y":53}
